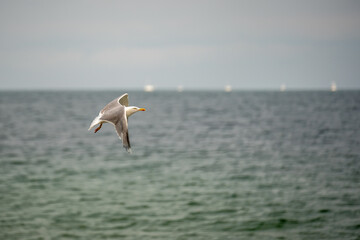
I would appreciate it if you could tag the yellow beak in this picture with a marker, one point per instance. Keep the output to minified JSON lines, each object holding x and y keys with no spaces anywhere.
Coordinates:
{"x":142,"y":109}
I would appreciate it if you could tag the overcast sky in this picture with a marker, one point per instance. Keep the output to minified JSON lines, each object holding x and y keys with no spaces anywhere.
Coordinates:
{"x":197,"y":44}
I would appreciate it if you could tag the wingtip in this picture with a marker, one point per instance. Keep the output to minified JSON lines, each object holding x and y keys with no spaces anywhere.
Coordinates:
{"x":94,"y":122}
{"x":91,"y":126}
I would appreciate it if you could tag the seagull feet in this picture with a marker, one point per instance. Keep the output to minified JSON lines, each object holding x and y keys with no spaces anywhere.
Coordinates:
{"x":98,"y":128}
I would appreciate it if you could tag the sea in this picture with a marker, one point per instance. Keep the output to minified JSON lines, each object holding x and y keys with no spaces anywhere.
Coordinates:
{"x":204,"y":165}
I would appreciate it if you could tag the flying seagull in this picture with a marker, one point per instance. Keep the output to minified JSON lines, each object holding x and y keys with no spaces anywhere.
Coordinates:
{"x":117,"y":113}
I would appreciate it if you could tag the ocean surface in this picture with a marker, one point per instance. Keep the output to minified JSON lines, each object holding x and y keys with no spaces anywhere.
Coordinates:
{"x":204,"y":165}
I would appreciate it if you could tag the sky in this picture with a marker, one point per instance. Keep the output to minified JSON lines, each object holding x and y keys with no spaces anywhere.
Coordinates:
{"x":198,"y":44}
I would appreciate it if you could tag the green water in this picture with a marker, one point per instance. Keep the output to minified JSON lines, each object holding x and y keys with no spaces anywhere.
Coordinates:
{"x":205,"y":165}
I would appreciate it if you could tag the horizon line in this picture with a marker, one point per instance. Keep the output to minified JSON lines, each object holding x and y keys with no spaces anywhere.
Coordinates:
{"x":175,"y":89}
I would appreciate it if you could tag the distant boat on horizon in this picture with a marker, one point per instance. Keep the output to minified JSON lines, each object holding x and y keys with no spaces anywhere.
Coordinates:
{"x":180,"y":88}
{"x":149,"y":88}
{"x":228,"y":88}
{"x":333,"y":87}
{"x":282,"y":87}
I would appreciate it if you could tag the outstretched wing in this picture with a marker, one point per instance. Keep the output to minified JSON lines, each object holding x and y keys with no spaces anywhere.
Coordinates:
{"x":117,"y":117}
{"x":121,"y":128}
{"x":122,"y":100}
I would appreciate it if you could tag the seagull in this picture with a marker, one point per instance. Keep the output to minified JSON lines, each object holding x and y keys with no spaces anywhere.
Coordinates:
{"x":117,"y":113}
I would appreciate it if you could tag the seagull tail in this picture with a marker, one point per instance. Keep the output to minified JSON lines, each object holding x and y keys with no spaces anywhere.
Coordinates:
{"x":94,"y":122}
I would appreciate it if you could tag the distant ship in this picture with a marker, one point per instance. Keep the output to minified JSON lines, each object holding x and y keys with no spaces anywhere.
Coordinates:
{"x":149,"y":88}
{"x":180,"y":88}
{"x":228,"y":88}
{"x":333,"y":87}
{"x":282,"y":88}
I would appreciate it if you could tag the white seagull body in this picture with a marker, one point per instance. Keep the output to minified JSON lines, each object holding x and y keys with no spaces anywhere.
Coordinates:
{"x":117,"y":113}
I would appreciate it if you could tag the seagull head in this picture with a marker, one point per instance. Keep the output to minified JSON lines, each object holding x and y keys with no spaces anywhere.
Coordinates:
{"x":132,"y":109}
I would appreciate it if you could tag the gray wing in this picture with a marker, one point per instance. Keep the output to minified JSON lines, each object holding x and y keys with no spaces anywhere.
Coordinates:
{"x":122,"y":100}
{"x":114,"y":114}
{"x":122,"y":130}
{"x":117,"y":116}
